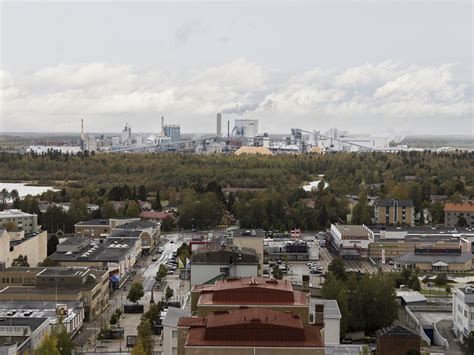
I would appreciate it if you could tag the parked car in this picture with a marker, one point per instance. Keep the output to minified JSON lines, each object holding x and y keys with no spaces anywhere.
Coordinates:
{"x":154,"y":258}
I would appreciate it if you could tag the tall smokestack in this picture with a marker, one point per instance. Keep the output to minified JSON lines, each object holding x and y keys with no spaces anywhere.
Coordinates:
{"x":82,"y":134}
{"x":219,"y":123}
{"x":162,"y":125}
{"x":228,"y":129}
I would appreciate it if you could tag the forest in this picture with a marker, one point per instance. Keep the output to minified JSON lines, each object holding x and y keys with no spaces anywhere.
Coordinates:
{"x":259,"y":191}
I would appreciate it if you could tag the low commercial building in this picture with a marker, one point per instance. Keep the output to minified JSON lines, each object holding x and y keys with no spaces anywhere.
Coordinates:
{"x":170,"y":329}
{"x":435,"y":259}
{"x":100,"y":228}
{"x":390,"y":246}
{"x":222,"y":261}
{"x":22,"y":335}
{"x":249,"y":292}
{"x":22,"y":221}
{"x":396,"y":340}
{"x":291,"y":250}
{"x":459,"y":214}
{"x":115,"y":255}
{"x":148,"y":232}
{"x":395,"y":212}
{"x":351,"y":241}
{"x":252,"y":331}
{"x":32,"y":245}
{"x":85,"y":285}
{"x":251,"y":239}
{"x":70,"y":314}
{"x":463,"y":312}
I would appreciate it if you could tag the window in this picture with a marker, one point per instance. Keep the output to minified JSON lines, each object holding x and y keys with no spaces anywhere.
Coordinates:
{"x":174,"y":334}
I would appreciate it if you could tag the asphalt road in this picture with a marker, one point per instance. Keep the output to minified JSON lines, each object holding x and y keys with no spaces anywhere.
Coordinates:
{"x":445,"y":328}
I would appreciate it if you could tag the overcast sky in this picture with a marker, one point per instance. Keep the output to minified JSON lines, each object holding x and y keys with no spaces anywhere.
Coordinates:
{"x":365,"y":66}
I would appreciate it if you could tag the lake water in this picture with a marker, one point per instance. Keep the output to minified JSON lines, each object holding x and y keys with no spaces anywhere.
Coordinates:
{"x":23,"y":189}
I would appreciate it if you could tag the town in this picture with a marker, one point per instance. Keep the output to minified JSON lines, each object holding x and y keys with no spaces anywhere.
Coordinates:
{"x":325,"y":268}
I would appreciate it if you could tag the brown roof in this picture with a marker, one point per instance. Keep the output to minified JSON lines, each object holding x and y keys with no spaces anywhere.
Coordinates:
{"x":459,"y":207}
{"x":255,"y":327}
{"x":251,"y":291}
{"x":192,"y":322}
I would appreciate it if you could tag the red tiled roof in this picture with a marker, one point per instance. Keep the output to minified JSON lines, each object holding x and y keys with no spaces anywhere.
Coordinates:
{"x":459,"y":207}
{"x":251,"y":291}
{"x":154,"y":215}
{"x":192,"y":322}
{"x":255,"y":327}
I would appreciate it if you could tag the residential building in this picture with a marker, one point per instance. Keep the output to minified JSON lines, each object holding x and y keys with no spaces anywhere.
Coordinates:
{"x":32,"y":245}
{"x":250,"y":239}
{"x":170,"y":329}
{"x":27,"y":222}
{"x":99,"y":228}
{"x":222,"y":261}
{"x":249,"y":331}
{"x":395,"y":212}
{"x":250,"y":292}
{"x":22,"y":335}
{"x":155,"y":216}
{"x":85,"y":285}
{"x":436,"y":259}
{"x":115,"y":255}
{"x":70,"y":314}
{"x":396,"y":340}
{"x":147,"y":231}
{"x":463,"y":312}
{"x":351,"y":241}
{"x":459,"y":214}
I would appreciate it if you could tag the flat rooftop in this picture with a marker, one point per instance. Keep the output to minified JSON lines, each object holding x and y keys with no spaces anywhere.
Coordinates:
{"x":13,"y":213}
{"x":247,"y":233}
{"x":112,"y":250}
{"x":94,"y":222}
{"x":352,"y":230}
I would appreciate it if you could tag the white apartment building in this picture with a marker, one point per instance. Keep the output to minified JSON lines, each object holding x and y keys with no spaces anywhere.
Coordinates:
{"x":351,"y":240}
{"x":23,"y":221}
{"x":170,"y":330}
{"x":463,"y":312}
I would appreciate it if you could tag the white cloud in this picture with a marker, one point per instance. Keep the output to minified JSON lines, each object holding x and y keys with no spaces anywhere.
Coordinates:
{"x":385,"y":93}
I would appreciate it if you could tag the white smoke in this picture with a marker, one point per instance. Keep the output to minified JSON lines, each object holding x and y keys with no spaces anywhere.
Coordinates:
{"x":240,"y":109}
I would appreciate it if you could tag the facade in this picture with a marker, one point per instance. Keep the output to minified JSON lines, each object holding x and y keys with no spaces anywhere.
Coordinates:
{"x":149,"y":233}
{"x":170,"y":330}
{"x":20,"y":335}
{"x":115,"y":255}
{"x":173,"y":132}
{"x":245,"y":128}
{"x":250,"y":239}
{"x":252,"y":331}
{"x":285,"y":249}
{"x":208,"y":264}
{"x":455,"y":212}
{"x":71,"y":314}
{"x":392,"y":247}
{"x":249,"y":292}
{"x":463,"y":312}
{"x":395,"y":212}
{"x":351,"y":241}
{"x":23,"y":221}
{"x":99,"y":228}
{"x":396,"y":340}
{"x":436,"y":259}
{"x":85,"y":285}
{"x":14,"y":244}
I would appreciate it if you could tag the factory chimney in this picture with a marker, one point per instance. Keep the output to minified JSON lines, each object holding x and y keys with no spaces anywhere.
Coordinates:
{"x":162,"y":126}
{"x":82,"y":134}
{"x":228,"y":129}
{"x":219,"y":123}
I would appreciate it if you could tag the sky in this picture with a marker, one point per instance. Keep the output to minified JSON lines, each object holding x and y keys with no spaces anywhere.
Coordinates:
{"x":384,"y":68}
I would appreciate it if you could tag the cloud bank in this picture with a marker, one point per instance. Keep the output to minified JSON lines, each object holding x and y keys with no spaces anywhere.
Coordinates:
{"x":380,"y":96}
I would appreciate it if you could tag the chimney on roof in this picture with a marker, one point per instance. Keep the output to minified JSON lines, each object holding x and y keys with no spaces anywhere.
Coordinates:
{"x":319,"y":314}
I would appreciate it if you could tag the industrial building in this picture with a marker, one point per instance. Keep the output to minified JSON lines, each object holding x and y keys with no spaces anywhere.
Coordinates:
{"x":245,"y":128}
{"x":350,"y":241}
